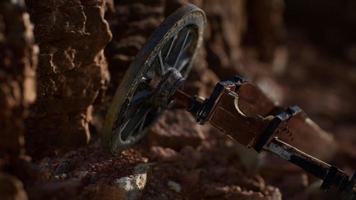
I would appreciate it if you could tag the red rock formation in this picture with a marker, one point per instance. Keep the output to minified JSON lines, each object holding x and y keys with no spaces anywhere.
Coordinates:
{"x":18,"y":60}
{"x":176,"y":129}
{"x":72,"y":70}
{"x":132,"y":22}
{"x":225,"y":31}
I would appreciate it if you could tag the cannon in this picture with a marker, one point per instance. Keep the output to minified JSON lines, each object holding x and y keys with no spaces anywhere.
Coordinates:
{"x":236,"y":107}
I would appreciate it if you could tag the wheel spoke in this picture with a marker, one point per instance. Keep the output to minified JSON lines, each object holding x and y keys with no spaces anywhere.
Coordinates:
{"x":143,"y":121}
{"x":182,"y":48}
{"x":138,"y":120}
{"x":161,"y":64}
{"x":171,"y":47}
{"x":183,"y":64}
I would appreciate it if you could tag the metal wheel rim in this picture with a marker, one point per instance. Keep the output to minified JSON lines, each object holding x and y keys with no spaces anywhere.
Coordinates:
{"x":187,"y":16}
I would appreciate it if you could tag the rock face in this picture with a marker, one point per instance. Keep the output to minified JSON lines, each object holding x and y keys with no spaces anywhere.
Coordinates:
{"x":227,"y":24}
{"x":132,"y":22}
{"x":72,"y":70}
{"x":265,"y":29}
{"x":18,"y":60}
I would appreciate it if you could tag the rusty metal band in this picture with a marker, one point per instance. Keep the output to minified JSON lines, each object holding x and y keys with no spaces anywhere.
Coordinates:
{"x":266,"y":136}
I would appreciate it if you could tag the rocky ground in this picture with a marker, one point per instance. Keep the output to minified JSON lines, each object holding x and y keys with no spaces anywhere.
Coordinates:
{"x":50,"y":146}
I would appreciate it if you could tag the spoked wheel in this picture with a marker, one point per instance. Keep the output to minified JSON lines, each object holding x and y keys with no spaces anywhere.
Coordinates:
{"x":158,"y":69}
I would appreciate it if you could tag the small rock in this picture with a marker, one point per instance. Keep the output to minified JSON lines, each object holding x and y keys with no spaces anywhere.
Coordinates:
{"x":176,"y":129}
{"x":81,"y":174}
{"x":174,"y":186}
{"x":64,"y":167}
{"x":60,"y":176}
{"x":133,"y":185}
{"x":164,"y":154}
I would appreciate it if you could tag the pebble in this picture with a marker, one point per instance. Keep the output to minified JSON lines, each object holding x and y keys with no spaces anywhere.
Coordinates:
{"x":174,"y":186}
